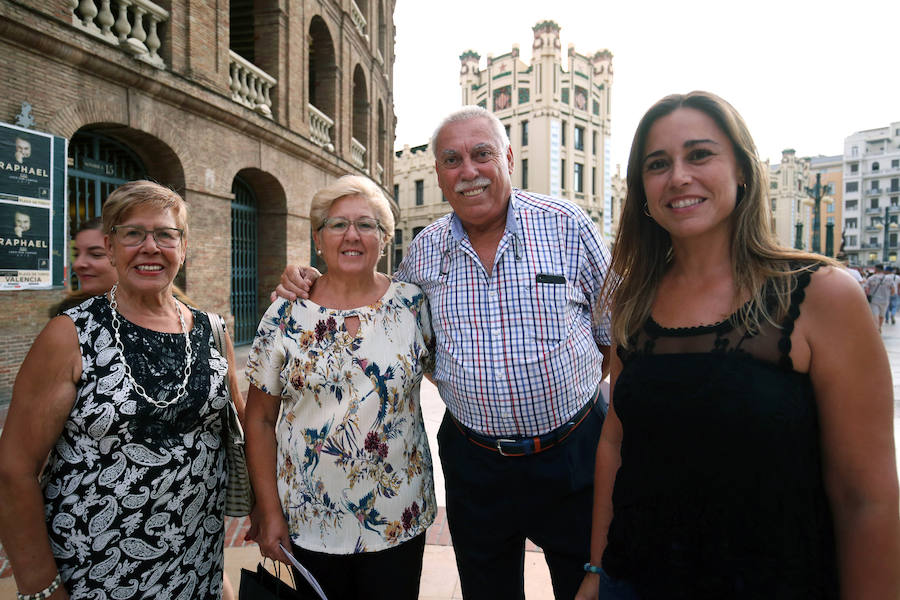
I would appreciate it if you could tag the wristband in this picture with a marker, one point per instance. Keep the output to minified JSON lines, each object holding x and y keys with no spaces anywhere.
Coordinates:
{"x":589,"y":568}
{"x":44,"y":593}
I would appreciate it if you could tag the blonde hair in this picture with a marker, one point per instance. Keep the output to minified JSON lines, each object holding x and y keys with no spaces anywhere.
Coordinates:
{"x":135,"y":194}
{"x":352,"y":185}
{"x":643,"y":249}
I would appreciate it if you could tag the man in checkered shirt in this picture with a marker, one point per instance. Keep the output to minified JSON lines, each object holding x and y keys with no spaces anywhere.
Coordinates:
{"x":512,"y":279}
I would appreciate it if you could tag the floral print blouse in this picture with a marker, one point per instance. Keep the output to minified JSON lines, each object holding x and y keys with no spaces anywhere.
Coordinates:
{"x":354,"y":468}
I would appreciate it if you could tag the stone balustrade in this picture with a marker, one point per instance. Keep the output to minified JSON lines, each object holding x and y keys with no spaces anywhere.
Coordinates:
{"x":379,"y":173}
{"x":320,"y":128}
{"x":358,"y":19}
{"x":133,"y":25}
{"x":358,"y":154}
{"x":250,"y":85}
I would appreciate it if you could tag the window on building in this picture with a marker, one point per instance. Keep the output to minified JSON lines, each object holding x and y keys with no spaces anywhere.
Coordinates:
{"x":851,"y":186}
{"x":854,"y":151}
{"x":507,"y":128}
{"x":829,"y":220}
{"x":873,"y":241}
{"x":851,"y":204}
{"x":773,"y":185}
{"x":565,"y":125}
{"x":893,"y":240}
{"x":524,"y":133}
{"x":398,"y":237}
{"x":578,"y":138}
{"x":851,"y":223}
{"x":876,"y":184}
{"x":398,"y":257}
{"x":420,"y":192}
{"x":894,"y":201}
{"x":578,"y":177}
{"x":524,"y":173}
{"x":829,"y":189}
{"x":851,"y":240}
{"x":875,"y":166}
{"x":829,"y":207}
{"x":873,"y":203}
{"x":594,"y":144}
{"x":895,"y":163}
{"x":895,"y":184}
{"x":594,"y":181}
{"x":854,"y":167}
{"x":396,"y":192}
{"x":562,"y":169}
{"x":417,"y":231}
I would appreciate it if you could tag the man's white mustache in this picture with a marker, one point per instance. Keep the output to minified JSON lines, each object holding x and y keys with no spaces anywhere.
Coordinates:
{"x":465,"y":186}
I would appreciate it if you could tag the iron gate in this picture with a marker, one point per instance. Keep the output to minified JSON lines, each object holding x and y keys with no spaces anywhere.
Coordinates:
{"x":243,"y":262}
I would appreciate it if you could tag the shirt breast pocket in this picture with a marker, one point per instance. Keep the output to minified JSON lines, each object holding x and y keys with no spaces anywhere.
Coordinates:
{"x":547,"y":299}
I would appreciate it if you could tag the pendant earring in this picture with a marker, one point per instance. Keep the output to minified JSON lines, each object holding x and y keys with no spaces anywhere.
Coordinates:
{"x":319,"y":252}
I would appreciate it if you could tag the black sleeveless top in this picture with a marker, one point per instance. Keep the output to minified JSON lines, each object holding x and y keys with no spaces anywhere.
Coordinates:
{"x":720,"y":491}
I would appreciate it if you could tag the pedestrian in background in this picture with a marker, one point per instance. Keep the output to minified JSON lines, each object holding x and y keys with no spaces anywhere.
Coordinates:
{"x":879,"y":289}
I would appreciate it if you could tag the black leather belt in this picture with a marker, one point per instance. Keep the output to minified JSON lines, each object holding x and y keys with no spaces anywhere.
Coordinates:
{"x":522,"y":446}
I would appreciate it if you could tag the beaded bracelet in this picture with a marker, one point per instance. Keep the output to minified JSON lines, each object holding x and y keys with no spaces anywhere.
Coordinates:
{"x":44,"y":593}
{"x":589,"y":568}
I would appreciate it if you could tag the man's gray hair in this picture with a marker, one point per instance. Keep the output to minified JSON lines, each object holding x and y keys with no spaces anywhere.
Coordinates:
{"x":474,"y":112}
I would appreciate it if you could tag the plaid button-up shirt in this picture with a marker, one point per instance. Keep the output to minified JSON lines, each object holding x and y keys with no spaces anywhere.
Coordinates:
{"x":517,"y":350}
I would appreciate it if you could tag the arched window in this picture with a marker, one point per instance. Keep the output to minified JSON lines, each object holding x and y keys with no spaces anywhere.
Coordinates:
{"x":322,"y":68}
{"x":360,"y":129}
{"x":244,"y":261}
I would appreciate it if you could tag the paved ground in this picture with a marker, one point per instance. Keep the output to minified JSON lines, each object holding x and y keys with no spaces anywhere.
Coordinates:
{"x":439,"y":578}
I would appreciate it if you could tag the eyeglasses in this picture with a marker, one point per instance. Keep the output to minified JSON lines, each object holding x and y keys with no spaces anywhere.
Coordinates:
{"x":132,"y":235}
{"x":340,"y":225}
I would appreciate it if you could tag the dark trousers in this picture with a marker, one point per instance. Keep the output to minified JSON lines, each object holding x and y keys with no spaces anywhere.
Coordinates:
{"x":391,"y":574}
{"x":494,"y":502}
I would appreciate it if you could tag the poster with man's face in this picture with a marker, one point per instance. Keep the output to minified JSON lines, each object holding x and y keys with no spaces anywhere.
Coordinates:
{"x":24,"y":163}
{"x":25,"y":208}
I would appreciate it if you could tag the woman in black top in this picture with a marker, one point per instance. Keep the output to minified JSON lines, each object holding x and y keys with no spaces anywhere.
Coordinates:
{"x":748,"y":451}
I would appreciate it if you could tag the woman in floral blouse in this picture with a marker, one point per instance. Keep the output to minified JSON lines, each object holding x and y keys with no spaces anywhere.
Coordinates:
{"x":337,"y":449}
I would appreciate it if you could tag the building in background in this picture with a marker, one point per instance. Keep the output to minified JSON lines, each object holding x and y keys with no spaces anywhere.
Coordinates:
{"x":792,"y":209}
{"x":871,"y":175}
{"x":558,"y":122}
{"x":246,"y":112}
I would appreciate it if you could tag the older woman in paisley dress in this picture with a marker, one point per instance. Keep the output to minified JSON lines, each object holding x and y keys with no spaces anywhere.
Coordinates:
{"x":126,"y":393}
{"x":343,"y":477}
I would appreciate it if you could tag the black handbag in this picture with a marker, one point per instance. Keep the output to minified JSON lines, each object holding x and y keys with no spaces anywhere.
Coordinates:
{"x":263,"y":585}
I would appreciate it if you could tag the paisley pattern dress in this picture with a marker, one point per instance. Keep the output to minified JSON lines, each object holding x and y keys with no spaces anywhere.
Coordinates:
{"x":354,"y":467}
{"x":135,"y":494}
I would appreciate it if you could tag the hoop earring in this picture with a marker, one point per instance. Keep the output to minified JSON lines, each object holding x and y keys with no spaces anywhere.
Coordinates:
{"x":741,"y":192}
{"x":647,"y":210}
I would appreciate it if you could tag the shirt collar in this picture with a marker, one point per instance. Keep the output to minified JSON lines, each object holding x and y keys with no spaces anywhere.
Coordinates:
{"x":512,"y":223}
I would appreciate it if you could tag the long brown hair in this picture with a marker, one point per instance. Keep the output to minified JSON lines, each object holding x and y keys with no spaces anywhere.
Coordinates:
{"x":643,"y":249}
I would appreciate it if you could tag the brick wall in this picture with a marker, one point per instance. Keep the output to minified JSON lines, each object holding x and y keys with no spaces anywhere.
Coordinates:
{"x":184,"y":126}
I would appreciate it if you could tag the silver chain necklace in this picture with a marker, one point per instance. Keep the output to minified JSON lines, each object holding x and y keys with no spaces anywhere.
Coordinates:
{"x":182,"y":391}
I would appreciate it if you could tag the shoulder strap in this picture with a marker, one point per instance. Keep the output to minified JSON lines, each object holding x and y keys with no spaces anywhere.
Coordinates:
{"x":787,"y":326}
{"x":217,"y":324}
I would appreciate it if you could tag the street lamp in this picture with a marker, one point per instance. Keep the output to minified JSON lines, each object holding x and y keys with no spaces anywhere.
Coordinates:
{"x":816,"y":194}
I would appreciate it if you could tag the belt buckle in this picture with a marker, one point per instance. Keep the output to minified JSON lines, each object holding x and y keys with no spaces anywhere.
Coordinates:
{"x":504,"y":441}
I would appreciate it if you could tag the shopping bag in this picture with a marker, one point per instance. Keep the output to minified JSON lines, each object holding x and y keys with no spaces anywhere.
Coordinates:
{"x":263,"y":585}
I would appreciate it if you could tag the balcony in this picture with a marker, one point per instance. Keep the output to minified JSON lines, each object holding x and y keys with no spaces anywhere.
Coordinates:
{"x":870,"y":246}
{"x":358,"y":153}
{"x":358,"y":19}
{"x":250,"y":85}
{"x":873,"y":192}
{"x":320,"y":128}
{"x":125,"y":30}
{"x":874,"y":211}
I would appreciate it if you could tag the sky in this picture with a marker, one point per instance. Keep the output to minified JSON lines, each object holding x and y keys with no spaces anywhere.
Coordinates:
{"x":804,"y":74}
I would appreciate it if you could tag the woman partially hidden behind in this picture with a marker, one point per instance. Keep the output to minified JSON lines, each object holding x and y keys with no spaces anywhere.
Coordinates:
{"x":126,"y":392}
{"x":748,"y":451}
